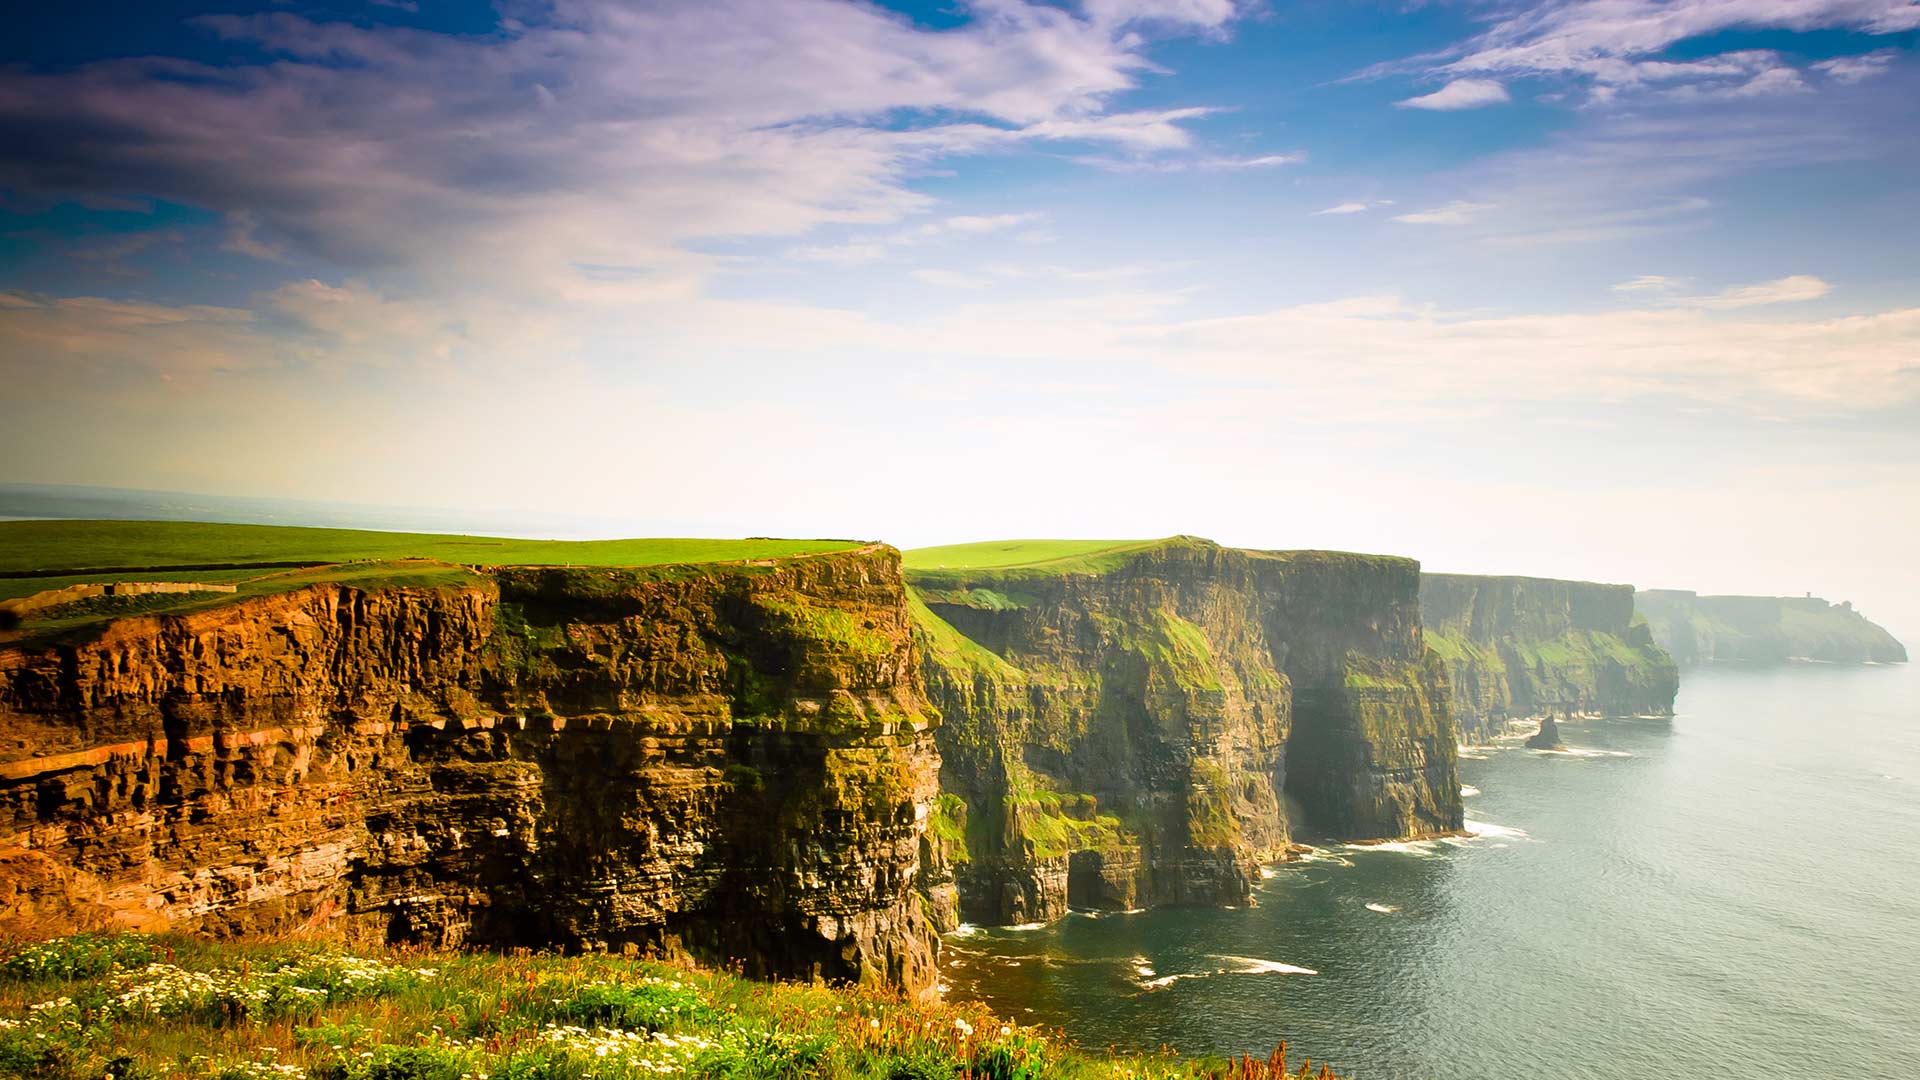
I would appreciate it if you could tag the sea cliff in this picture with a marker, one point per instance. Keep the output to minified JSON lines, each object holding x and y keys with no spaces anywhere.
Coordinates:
{"x":734,"y":760}
{"x":1519,"y":647}
{"x":1764,"y":629}
{"x":1148,"y":725}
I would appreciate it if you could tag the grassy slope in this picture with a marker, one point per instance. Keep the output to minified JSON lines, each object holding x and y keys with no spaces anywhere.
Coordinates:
{"x":367,"y":559}
{"x":1058,"y":556}
{"x":79,"y":545}
{"x":289,"y":1011}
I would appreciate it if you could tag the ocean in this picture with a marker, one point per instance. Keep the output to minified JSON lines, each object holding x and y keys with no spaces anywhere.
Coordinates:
{"x":1714,"y":896}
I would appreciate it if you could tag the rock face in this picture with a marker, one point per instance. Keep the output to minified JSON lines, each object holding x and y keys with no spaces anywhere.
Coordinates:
{"x":1517,"y":647}
{"x":1548,"y":737}
{"x":1764,"y":629}
{"x":734,"y":760}
{"x":1150,"y":731}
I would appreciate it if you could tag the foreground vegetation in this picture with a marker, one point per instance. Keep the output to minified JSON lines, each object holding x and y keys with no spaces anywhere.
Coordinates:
{"x":137,"y":1008}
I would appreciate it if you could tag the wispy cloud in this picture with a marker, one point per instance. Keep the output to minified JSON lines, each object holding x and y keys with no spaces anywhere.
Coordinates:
{"x":1670,"y":291}
{"x":1853,"y":69}
{"x":1460,"y":94}
{"x":1458,"y":212}
{"x":843,"y":254}
{"x":1353,"y":207}
{"x":1648,"y":284}
{"x":949,"y":279}
{"x":1787,"y":290}
{"x":1616,"y":46}
{"x":1200,"y":163}
{"x":985,"y":223}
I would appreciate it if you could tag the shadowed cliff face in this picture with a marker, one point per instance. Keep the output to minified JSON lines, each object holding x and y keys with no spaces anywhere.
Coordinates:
{"x":1149,"y":733}
{"x":1518,"y":647}
{"x":1764,"y":629}
{"x":737,"y":760}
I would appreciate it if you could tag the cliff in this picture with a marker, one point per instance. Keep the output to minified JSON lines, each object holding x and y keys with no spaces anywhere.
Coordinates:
{"x":1148,"y":724}
{"x":735,"y":760}
{"x":1518,"y":647}
{"x":1764,"y":629}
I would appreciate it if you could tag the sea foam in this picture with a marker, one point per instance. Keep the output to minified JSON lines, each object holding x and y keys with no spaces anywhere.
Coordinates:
{"x":1241,"y":965}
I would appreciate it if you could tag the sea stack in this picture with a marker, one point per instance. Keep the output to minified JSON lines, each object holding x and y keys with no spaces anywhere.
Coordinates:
{"x":1548,"y":737}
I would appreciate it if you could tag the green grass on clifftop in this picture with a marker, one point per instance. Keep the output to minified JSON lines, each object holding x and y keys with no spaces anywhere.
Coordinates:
{"x":98,"y":545}
{"x":1061,"y":556}
{"x":134,"y":1008}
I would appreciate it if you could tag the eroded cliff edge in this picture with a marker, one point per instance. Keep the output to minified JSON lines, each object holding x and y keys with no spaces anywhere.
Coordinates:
{"x":1518,"y":647}
{"x":1765,"y":629}
{"x":1149,"y":727}
{"x":737,"y":759}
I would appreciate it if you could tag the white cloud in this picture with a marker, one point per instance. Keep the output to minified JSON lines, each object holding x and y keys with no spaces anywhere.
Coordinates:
{"x":1786,"y":290}
{"x":1353,"y":207}
{"x":1207,"y":14}
{"x":1611,"y":43}
{"x":843,"y":254}
{"x":1853,"y":69}
{"x":1665,"y":290}
{"x":1458,"y":212}
{"x":585,"y":133}
{"x":1193,"y":164}
{"x":1460,"y":94}
{"x":985,"y":223}
{"x":1649,"y":283}
{"x":949,"y":279}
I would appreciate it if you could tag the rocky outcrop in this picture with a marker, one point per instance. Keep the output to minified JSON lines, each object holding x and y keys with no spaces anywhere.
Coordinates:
{"x":1548,"y":737}
{"x":1518,"y":647}
{"x":735,"y":760}
{"x":1764,"y":629}
{"x":1151,"y":730}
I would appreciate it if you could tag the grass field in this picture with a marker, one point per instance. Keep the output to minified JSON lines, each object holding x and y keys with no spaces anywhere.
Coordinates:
{"x":83,"y":545}
{"x":1064,"y":556}
{"x":134,"y":1008}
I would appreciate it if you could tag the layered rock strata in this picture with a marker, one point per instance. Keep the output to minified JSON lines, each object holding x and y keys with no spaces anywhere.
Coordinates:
{"x":1519,"y":647}
{"x":1150,"y":730}
{"x":733,"y":760}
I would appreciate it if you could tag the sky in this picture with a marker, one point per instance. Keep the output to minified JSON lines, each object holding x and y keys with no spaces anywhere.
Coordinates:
{"x":1623,"y":290}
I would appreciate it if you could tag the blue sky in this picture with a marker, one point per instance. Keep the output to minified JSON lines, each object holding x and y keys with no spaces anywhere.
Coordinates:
{"x":1621,"y":289}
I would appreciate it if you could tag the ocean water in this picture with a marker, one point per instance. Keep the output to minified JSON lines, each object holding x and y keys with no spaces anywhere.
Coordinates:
{"x":1712,"y":897}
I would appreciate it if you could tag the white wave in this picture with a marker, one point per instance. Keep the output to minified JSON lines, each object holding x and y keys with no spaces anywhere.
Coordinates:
{"x":964,"y":930}
{"x":1585,"y":752}
{"x":1242,"y":965}
{"x":1399,"y":847}
{"x":1384,"y":909}
{"x":1481,"y":830}
{"x":1468,"y":791}
{"x":1253,"y":965}
{"x":1142,"y":967}
{"x":1025,"y":927}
